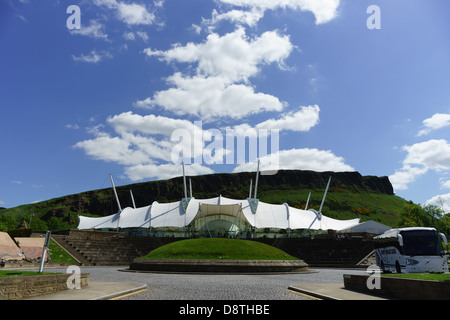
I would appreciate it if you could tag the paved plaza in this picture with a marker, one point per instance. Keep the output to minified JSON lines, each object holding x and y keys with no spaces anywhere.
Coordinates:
{"x":162,"y":286}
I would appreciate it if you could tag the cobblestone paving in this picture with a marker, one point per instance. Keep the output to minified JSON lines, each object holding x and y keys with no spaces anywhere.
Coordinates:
{"x":215,"y":287}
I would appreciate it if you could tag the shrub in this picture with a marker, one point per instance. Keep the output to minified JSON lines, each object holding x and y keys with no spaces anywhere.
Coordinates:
{"x":362,"y":211}
{"x":22,"y":233}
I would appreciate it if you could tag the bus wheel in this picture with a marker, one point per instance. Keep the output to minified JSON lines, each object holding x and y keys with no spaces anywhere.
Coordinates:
{"x":397,"y":267}
{"x":382,"y":267}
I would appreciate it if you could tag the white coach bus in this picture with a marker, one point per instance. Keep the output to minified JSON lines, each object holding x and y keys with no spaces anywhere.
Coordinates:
{"x":411,"y":250}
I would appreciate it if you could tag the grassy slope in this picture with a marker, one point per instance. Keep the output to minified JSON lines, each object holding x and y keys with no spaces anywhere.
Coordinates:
{"x":59,"y":255}
{"x":217,"y":248}
{"x":342,"y":204}
{"x":40,"y":209}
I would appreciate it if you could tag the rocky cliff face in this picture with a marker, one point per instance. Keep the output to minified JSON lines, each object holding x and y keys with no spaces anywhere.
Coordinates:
{"x":102,"y":202}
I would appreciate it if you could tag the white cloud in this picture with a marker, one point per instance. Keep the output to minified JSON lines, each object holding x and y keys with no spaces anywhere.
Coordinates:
{"x":135,"y":14}
{"x":142,"y":143}
{"x":239,"y":17}
{"x":445,"y":184}
{"x":129,"y":13}
{"x":233,"y":57}
{"x":209,"y":98}
{"x":92,"y":57}
{"x":146,"y":145}
{"x":153,"y":134}
{"x":323,"y":10}
{"x":143,"y":35}
{"x":196,"y":28}
{"x":251,"y":11}
{"x":299,"y":159}
{"x":421,"y":157}
{"x":129,"y":36}
{"x":302,"y":120}
{"x":21,"y":18}
{"x":94,"y":30}
{"x":141,"y":140}
{"x":72,"y":126}
{"x":432,"y":154}
{"x":437,"y":121}
{"x":442,"y":201}
{"x":224,"y":66}
{"x":129,"y":122}
{"x":110,"y":4}
{"x":112,"y":149}
{"x":215,"y":86}
{"x":132,"y":35}
{"x":159,"y":4}
{"x":406,"y":175}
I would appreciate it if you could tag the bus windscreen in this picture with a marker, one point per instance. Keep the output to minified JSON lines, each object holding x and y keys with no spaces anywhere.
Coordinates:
{"x":421,"y":243}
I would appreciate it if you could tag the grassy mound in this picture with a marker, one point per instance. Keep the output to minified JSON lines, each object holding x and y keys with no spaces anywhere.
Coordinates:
{"x":218,"y":248}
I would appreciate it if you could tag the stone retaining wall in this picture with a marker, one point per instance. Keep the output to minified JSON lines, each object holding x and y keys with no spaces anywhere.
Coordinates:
{"x":400,"y":288}
{"x":22,"y":287}
{"x":218,"y":266}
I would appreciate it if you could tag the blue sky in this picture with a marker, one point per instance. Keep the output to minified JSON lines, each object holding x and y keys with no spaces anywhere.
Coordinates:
{"x":78,"y":104}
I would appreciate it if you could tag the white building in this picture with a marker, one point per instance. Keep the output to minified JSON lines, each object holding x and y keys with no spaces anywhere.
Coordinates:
{"x":218,"y":216}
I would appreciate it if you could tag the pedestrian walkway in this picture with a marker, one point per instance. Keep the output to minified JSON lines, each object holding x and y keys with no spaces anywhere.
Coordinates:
{"x":109,"y":283}
{"x":112,"y":290}
{"x":332,"y":291}
{"x":95,"y":291}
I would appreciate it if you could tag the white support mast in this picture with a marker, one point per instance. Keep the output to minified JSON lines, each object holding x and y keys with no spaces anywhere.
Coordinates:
{"x":184,"y":180}
{"x":132,"y":199}
{"x":319,"y":213}
{"x":307,"y":201}
{"x":190,"y":187}
{"x":254,"y":201}
{"x":256,"y":182}
{"x":185,"y":200}
{"x":115,"y":193}
{"x":324,"y":195}
{"x":250,"y":193}
{"x":235,"y":217}
{"x":44,"y":250}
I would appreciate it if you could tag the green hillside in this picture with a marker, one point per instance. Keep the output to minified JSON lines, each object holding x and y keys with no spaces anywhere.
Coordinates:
{"x":341,"y":204}
{"x":350,"y":196}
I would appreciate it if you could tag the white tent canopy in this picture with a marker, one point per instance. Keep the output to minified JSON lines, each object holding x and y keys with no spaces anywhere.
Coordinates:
{"x":367,"y":226}
{"x":172,"y":214}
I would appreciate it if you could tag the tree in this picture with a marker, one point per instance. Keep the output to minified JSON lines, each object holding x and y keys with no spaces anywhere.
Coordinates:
{"x":441,"y":203}
{"x":7,"y":222}
{"x":414,"y":215}
{"x":446,"y":223}
{"x":38,"y":225}
{"x":55,"y":223}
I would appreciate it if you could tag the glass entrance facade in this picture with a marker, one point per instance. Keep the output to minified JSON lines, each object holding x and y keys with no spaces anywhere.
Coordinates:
{"x":220,"y":225}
